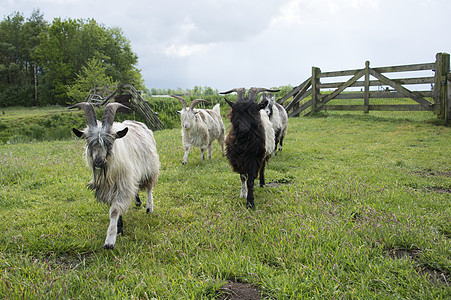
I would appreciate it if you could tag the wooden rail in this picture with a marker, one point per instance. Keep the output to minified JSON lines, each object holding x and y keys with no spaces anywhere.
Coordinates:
{"x":311,"y":94}
{"x":129,"y":96}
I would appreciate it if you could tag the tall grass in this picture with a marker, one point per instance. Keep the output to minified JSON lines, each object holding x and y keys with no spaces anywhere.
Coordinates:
{"x":357,"y":206}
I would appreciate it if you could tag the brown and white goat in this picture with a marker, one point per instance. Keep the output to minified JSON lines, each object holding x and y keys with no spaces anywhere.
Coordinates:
{"x":123,"y":159}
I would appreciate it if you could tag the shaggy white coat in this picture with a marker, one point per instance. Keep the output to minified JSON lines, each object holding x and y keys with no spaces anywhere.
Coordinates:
{"x":200,"y":127}
{"x":133,"y":164}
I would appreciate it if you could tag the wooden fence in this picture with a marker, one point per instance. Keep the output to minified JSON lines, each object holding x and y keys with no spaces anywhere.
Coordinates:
{"x":311,"y":93}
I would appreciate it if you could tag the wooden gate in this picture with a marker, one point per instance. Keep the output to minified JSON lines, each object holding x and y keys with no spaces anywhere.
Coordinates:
{"x":309,"y":94}
{"x":125,"y":94}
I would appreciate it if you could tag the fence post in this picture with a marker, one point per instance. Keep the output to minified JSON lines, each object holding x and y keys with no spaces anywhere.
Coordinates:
{"x":315,"y":87}
{"x":441,"y":100}
{"x":366,"y":99}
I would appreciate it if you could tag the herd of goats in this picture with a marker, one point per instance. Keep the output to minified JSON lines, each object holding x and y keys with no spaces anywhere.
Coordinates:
{"x":123,"y":156}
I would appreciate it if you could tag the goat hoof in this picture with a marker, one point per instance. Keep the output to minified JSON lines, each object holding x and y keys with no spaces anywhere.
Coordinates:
{"x":250,"y":206}
{"x":149,"y":210}
{"x":108,"y":246}
{"x":184,"y":162}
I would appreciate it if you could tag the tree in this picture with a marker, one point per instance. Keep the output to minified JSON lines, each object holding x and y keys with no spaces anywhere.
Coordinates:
{"x":91,"y":75}
{"x":17,"y":69}
{"x":67,"y":46}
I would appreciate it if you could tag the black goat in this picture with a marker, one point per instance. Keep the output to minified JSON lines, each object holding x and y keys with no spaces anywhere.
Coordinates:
{"x":250,"y":141}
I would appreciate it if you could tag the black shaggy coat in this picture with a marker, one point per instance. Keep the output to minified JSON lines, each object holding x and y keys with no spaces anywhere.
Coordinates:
{"x":245,"y":143}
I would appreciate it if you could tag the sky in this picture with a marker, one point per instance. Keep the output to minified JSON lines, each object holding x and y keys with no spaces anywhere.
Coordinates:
{"x":225,"y":44}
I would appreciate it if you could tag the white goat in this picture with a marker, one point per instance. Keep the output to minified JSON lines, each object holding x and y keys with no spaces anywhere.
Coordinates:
{"x":278,"y":117}
{"x":200,"y":127}
{"x":123,"y":158}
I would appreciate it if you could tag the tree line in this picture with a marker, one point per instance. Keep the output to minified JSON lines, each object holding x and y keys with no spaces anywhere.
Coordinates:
{"x":44,"y":63}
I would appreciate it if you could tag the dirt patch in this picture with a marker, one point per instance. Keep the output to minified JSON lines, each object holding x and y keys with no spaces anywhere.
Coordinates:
{"x":64,"y":262}
{"x":435,"y":276}
{"x":239,"y":291}
{"x":430,"y":172}
{"x":440,"y":190}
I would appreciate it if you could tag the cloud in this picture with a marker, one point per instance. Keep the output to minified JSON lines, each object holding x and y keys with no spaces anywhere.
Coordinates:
{"x":226,"y":43}
{"x":186,"y":50}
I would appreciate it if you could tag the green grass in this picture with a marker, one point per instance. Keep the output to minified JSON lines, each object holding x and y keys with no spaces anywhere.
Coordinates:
{"x":357,"y":207}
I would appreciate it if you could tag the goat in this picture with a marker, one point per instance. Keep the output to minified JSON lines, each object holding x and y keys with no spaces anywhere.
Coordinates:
{"x":278,"y":117}
{"x":123,"y":158}
{"x":250,"y":140}
{"x":200,"y":127}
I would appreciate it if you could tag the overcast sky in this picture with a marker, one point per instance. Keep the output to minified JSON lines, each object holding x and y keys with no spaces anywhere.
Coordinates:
{"x":232,"y":43}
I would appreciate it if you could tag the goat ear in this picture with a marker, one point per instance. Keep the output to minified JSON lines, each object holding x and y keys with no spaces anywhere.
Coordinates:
{"x":263,"y":104}
{"x":77,"y":132}
{"x":229,"y":103}
{"x":120,"y":134}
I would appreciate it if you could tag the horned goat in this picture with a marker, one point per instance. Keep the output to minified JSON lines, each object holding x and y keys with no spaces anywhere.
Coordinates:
{"x":278,"y":117}
{"x":250,"y":140}
{"x":123,"y":158}
{"x":200,"y":127}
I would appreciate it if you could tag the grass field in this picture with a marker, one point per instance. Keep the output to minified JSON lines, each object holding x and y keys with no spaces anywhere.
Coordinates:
{"x":356,"y":207}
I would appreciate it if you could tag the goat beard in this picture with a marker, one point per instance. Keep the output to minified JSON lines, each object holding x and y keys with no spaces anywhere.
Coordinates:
{"x":98,"y":178}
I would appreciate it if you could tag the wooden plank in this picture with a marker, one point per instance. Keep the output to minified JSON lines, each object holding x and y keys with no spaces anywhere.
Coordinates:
{"x":295,"y":91}
{"x":300,"y":109}
{"x":406,"y":68}
{"x":339,"y":73}
{"x":391,"y":69}
{"x":316,"y":91}
{"x":380,"y":95}
{"x":403,"y":81}
{"x":298,"y":99}
{"x":341,"y":89}
{"x":415,"y":96}
{"x":381,"y":107}
{"x":366,"y":93}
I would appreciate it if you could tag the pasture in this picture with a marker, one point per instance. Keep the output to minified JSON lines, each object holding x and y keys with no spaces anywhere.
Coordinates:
{"x":356,"y":207}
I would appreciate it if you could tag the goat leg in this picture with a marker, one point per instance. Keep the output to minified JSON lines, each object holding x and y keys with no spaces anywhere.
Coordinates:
{"x":137,"y":200}
{"x":120,"y":225}
{"x":250,"y":188}
{"x":149,"y":201}
{"x":262,"y":174}
{"x":243,"y":186}
{"x":185,"y":157}
{"x":112,"y":228}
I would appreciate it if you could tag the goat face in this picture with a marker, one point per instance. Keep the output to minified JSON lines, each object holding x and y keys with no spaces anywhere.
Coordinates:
{"x":271,"y":99}
{"x":99,"y":144}
{"x":187,"y":117}
{"x":244,"y":114}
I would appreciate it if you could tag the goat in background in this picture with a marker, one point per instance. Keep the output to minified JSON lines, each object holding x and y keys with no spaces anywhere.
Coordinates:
{"x":200,"y":127}
{"x":278,"y":117}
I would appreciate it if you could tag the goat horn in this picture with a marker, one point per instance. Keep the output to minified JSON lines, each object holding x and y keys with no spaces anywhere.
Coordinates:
{"x":239,"y":91}
{"x":90,"y":114}
{"x":191,"y":106}
{"x":181,"y":100}
{"x":110,"y":112}
{"x":253,"y":92}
